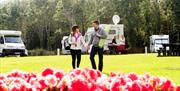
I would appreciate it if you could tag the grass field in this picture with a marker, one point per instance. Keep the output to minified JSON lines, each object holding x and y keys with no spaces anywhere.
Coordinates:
{"x":168,"y":67}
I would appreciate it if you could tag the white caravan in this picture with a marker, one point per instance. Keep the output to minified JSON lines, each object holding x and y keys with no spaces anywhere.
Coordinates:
{"x":65,"y":43}
{"x":11,"y":43}
{"x":113,"y":31}
{"x":156,"y":42}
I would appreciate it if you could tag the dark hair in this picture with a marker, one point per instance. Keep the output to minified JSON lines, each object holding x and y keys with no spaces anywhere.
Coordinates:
{"x":96,"y":22}
{"x":74,"y":29}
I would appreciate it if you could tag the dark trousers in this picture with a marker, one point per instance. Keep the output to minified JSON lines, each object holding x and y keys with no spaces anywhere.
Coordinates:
{"x":98,"y":50}
{"x":75,"y":54}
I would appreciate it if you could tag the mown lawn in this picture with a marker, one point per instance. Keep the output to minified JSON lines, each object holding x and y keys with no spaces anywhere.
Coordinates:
{"x":168,"y":67}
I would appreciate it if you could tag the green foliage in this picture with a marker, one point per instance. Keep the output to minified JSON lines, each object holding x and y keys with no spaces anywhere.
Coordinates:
{"x":40,"y":52}
{"x":176,"y":23}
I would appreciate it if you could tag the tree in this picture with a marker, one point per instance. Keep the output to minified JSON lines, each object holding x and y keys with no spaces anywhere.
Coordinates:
{"x":45,"y":22}
{"x":176,"y":25}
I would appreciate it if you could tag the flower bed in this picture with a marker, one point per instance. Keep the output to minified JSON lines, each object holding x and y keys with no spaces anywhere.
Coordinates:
{"x":83,"y":80}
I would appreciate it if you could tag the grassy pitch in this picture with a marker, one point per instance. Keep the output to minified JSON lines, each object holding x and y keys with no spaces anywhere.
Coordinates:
{"x":168,"y":67}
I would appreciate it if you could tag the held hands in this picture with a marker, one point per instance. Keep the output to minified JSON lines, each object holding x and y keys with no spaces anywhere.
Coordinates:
{"x":88,"y":47}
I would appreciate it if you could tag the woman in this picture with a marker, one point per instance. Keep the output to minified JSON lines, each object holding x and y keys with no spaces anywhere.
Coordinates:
{"x":76,"y":40}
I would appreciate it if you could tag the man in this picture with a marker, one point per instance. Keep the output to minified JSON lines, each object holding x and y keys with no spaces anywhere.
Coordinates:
{"x":97,"y":35}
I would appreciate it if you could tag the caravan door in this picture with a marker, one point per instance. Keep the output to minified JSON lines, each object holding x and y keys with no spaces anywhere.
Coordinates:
{"x":1,"y":44}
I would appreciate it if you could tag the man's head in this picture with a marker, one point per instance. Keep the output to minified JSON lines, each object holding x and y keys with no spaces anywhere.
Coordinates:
{"x":95,"y":24}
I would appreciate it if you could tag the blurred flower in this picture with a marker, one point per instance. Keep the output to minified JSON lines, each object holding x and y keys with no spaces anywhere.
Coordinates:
{"x":51,"y":80}
{"x":47,"y":71}
{"x":133,"y":76}
{"x":59,"y":74}
{"x":178,"y":88}
{"x":83,"y":80}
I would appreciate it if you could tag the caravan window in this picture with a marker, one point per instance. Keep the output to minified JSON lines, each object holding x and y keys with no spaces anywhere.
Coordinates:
{"x":13,"y":39}
{"x":165,"y":41}
{"x":112,"y":31}
{"x":161,"y":41}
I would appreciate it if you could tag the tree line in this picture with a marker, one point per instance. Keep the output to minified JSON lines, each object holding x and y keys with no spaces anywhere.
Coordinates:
{"x":45,"y":22}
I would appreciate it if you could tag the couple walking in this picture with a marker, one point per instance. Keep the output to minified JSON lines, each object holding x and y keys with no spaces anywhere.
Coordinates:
{"x":76,"y":40}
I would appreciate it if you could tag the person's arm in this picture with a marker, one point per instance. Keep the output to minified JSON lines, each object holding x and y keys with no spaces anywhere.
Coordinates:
{"x":83,"y":41}
{"x":91,"y":39}
{"x":103,"y":34}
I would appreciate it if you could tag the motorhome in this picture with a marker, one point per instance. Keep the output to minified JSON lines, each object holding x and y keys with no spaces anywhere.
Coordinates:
{"x":11,"y":43}
{"x":65,"y":43}
{"x":156,"y":42}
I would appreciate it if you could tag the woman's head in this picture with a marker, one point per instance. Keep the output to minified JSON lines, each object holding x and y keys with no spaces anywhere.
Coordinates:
{"x":75,"y":29}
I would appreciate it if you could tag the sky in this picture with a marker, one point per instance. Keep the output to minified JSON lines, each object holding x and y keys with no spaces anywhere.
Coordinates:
{"x":2,"y":1}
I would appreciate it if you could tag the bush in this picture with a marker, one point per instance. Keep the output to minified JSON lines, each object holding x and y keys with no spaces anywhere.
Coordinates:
{"x":40,"y":52}
{"x":136,"y":50}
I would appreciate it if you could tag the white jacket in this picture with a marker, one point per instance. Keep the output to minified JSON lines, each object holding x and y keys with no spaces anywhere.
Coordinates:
{"x":78,"y":40}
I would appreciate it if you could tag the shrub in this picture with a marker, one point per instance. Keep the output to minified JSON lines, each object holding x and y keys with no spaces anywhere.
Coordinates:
{"x":40,"y":52}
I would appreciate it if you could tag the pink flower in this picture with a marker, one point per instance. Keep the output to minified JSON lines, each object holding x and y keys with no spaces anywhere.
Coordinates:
{"x":178,"y":88}
{"x":15,"y":73}
{"x":98,"y":73}
{"x":147,"y":87}
{"x":79,"y":85}
{"x":93,"y":87}
{"x":47,"y":71}
{"x":77,"y":71}
{"x":83,"y":80}
{"x":3,"y":88}
{"x":59,"y":75}
{"x":42,"y":83}
{"x":166,"y":85}
{"x":93,"y":74}
{"x":62,"y":86}
{"x":113,"y":74}
{"x":29,"y":76}
{"x":147,"y":76}
{"x":98,"y":87}
{"x":136,"y":86}
{"x":116,"y":86}
{"x":24,"y":88}
{"x":14,"y":89}
{"x":51,"y":80}
{"x":133,"y":76}
{"x":2,"y":77}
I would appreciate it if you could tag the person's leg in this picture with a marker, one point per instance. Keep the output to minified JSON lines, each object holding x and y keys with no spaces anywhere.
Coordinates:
{"x":73,"y":58}
{"x":78,"y":57}
{"x":114,"y":50}
{"x":92,"y":55}
{"x":100,"y":54}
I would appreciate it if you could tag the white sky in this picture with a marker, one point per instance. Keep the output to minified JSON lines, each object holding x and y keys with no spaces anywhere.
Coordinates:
{"x":4,"y":1}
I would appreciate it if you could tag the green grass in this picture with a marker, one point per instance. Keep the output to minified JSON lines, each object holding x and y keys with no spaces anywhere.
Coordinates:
{"x":168,"y":67}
